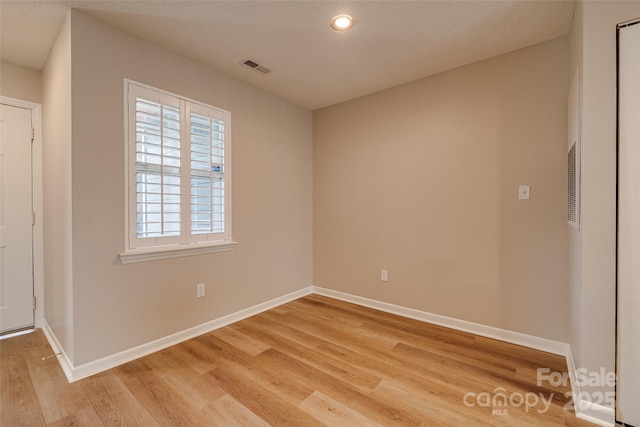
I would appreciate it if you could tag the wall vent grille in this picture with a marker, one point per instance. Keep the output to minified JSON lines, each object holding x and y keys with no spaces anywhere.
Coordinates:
{"x":573,"y":154}
{"x":572,"y":211}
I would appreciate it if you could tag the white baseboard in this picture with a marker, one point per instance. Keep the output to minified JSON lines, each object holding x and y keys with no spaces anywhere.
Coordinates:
{"x":518,"y":338}
{"x":75,"y":373}
{"x":596,"y":414}
{"x":571,"y":367}
{"x":584,"y":409}
{"x":63,"y":358}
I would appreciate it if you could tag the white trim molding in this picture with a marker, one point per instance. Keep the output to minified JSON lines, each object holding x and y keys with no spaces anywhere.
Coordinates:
{"x":150,"y":254}
{"x":58,"y":350}
{"x":596,"y":414}
{"x":584,"y":409}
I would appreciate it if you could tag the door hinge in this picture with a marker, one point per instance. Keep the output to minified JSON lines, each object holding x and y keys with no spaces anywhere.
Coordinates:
{"x":33,"y":218}
{"x":34,"y":303}
{"x":33,"y":134}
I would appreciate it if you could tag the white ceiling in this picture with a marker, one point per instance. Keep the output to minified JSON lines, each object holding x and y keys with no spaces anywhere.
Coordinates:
{"x":393,"y":42}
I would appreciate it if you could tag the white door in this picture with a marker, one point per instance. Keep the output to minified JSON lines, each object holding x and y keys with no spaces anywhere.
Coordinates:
{"x":16,"y":255}
{"x":628,"y":352}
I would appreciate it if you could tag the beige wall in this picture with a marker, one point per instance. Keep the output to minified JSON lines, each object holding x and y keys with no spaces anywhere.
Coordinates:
{"x":422,"y":180}
{"x":115,"y":306}
{"x":20,"y":83}
{"x":56,"y":177}
{"x":594,"y":48}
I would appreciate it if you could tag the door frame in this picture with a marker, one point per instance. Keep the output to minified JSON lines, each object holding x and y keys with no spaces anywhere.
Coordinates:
{"x":620,"y":27}
{"x":36,"y":191}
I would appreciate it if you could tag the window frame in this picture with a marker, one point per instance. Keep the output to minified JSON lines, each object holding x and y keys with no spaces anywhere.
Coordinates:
{"x":187,"y":243}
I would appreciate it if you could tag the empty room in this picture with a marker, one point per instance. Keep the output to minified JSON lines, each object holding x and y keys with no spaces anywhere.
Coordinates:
{"x":308,"y":212}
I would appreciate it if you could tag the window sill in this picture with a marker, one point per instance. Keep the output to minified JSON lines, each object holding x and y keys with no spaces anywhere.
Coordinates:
{"x":166,"y":252}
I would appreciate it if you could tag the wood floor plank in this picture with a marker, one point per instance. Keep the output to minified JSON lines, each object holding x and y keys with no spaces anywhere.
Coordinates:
{"x":313,"y":361}
{"x":333,"y":316}
{"x":389,"y":320}
{"x":461,"y":353}
{"x":22,"y":343}
{"x":166,"y":405}
{"x":289,"y":374}
{"x":363,"y":381}
{"x":113,"y":403}
{"x":455,"y":379}
{"x":282,"y":309}
{"x":513,"y":351}
{"x":276,"y":381}
{"x":183,"y":379}
{"x":226,"y":411}
{"x":450,"y":371}
{"x":194,"y":354}
{"x":380,"y":361}
{"x":376,"y":409}
{"x":18,"y":398}
{"x":345,"y":336}
{"x":330,"y":412}
{"x":281,"y":328}
{"x":428,"y":409}
{"x":412,"y":391}
{"x":84,"y":417}
{"x":265,"y":404}
{"x":234,"y":336}
{"x":369,"y":360}
{"x":530,"y":375}
{"x":58,"y":399}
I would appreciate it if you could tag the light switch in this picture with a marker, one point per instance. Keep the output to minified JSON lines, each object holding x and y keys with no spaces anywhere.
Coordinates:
{"x":524,"y":191}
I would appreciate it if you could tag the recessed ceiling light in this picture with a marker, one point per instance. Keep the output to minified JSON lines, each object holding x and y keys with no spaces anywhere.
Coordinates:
{"x":342,"y":23}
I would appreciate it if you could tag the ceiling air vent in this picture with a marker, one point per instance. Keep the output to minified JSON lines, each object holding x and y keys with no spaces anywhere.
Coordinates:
{"x":255,"y":66}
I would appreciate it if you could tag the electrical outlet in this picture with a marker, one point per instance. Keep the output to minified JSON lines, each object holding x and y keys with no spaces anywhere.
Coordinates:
{"x":383,"y":275}
{"x":200,"y":290}
{"x":524,"y":192}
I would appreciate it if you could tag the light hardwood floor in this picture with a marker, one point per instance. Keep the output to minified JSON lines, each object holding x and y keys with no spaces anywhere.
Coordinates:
{"x":313,"y":361}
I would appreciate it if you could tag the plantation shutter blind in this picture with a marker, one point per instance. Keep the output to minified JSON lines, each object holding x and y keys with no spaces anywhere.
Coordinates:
{"x":157,"y":196}
{"x":178,"y":165}
{"x":208,"y":133}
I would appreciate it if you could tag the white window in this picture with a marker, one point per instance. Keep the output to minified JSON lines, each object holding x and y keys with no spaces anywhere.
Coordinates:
{"x":178,"y":174}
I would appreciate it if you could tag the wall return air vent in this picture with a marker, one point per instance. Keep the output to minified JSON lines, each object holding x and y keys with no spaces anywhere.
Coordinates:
{"x":257,"y":67}
{"x":572,"y":208}
{"x":573,"y":156}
